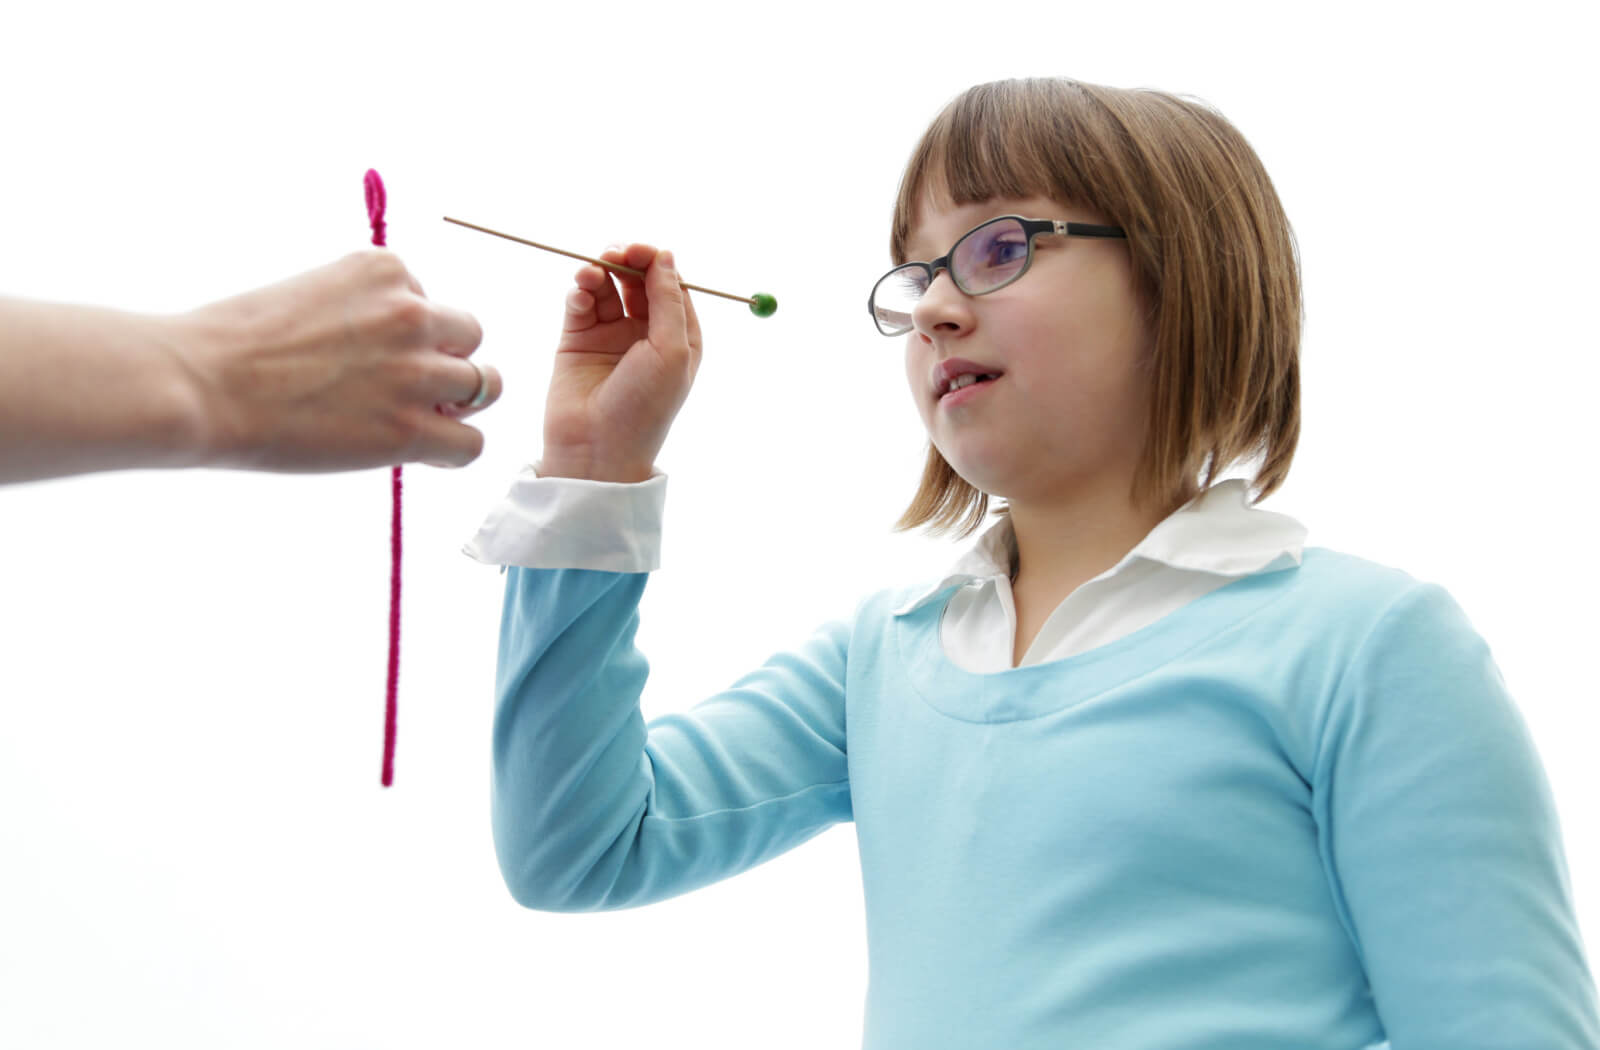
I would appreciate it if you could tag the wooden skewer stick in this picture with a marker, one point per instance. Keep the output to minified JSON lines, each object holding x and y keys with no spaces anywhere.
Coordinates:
{"x":761,"y":305}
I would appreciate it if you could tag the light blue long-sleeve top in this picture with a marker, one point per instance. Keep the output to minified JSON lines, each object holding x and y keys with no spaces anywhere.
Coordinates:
{"x":1299,"y":813}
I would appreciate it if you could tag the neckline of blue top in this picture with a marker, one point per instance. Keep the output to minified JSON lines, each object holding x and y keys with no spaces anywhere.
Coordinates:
{"x":1040,"y":689}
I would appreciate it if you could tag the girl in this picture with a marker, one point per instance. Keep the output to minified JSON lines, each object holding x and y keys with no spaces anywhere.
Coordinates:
{"x":1142,"y":771}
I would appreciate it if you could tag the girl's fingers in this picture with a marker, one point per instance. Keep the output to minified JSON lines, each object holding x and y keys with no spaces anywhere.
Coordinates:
{"x":638,"y":256}
{"x":611,"y":304}
{"x":579,"y":314}
{"x":668,"y":331}
{"x":692,"y":328}
{"x":603,"y":295}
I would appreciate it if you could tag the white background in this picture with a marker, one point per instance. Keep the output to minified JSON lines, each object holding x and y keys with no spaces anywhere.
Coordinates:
{"x":196,"y":851}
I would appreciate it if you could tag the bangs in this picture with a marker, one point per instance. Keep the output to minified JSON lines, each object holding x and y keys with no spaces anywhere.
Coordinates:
{"x":1009,"y":139}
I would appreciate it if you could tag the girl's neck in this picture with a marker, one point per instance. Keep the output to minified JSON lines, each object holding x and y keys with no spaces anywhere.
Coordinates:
{"x":1061,"y":546}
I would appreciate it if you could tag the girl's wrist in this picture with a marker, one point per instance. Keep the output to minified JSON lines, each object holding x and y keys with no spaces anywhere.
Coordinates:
{"x":566,"y":464}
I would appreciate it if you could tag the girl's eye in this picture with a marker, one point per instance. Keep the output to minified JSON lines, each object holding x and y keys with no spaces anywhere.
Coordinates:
{"x":1004,"y":252}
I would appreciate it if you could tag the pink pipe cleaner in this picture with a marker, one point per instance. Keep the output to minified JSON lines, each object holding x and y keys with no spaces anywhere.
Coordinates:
{"x":377,"y":201}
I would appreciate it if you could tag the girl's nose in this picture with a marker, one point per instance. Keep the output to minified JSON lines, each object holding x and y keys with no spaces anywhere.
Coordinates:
{"x":942,"y":306}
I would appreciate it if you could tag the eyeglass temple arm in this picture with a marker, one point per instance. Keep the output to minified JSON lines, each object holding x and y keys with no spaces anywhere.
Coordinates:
{"x":1088,"y":229}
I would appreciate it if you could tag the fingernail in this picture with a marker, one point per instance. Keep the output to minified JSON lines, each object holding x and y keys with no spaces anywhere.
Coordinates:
{"x":665,"y":258}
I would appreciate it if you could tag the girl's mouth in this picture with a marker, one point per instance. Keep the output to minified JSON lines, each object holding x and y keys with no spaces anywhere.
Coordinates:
{"x":965,"y":388}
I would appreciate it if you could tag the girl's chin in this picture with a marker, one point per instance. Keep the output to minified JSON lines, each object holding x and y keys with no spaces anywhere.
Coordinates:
{"x":983,"y":476}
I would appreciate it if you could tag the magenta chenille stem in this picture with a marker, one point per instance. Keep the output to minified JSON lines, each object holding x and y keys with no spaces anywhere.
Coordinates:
{"x":377,"y":200}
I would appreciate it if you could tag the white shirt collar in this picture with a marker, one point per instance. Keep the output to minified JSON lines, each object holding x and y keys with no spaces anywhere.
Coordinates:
{"x":1216,"y":532}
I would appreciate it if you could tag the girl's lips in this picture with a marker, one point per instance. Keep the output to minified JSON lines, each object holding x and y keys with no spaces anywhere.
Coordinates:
{"x":966,"y":393}
{"x":953,"y":368}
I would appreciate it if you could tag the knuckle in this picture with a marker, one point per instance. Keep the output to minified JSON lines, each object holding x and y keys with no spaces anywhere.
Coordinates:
{"x":377,"y":265}
{"x":387,"y":264}
{"x":409,"y":313}
{"x":429,"y":376}
{"x":401,"y":436}
{"x":409,"y":380}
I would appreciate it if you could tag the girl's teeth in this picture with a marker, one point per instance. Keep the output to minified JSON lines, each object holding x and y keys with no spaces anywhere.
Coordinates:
{"x":962,"y":381}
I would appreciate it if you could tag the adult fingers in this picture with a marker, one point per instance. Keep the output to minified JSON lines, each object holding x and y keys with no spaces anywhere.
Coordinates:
{"x":464,"y":387}
{"x":453,"y":331}
{"x":447,"y":443}
{"x":414,"y":284}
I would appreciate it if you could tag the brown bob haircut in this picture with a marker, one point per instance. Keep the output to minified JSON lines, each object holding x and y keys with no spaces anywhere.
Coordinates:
{"x":1214,"y":261}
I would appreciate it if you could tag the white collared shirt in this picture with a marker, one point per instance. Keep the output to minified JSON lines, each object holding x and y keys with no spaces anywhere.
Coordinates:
{"x":1214,"y":539}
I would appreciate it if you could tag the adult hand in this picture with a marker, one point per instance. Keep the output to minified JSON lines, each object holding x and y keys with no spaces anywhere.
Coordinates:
{"x":344,"y":367}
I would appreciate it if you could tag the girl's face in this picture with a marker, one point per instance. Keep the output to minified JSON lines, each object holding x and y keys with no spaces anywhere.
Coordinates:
{"x":1066,"y":415}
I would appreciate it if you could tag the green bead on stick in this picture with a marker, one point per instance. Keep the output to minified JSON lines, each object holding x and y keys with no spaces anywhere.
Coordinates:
{"x":761,"y":304}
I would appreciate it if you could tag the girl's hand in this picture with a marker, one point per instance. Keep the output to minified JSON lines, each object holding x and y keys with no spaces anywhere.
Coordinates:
{"x":623,"y":368}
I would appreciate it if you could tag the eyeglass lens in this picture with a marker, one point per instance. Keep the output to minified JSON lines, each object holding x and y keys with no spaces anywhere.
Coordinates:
{"x":983,"y":260}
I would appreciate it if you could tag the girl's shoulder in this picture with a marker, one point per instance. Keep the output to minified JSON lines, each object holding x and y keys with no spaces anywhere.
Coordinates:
{"x":1346,"y":593}
{"x":1336,"y":571}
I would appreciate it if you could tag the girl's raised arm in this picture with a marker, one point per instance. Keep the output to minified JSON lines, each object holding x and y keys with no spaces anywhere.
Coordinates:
{"x":593,"y":809}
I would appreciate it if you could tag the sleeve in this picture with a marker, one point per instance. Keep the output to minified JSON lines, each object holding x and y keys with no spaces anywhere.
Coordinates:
{"x":1443,"y":847}
{"x":570,"y":523}
{"x":592,"y":809}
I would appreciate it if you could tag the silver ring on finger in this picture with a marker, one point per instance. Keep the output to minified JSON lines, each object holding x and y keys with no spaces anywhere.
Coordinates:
{"x":480,"y":397}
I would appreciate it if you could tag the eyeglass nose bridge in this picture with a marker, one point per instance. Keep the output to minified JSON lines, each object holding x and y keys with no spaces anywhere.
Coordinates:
{"x":941,"y":263}
{"x":933,"y":268}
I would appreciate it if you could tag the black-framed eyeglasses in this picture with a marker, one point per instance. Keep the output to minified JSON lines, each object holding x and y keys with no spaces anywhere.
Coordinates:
{"x":986,"y":258}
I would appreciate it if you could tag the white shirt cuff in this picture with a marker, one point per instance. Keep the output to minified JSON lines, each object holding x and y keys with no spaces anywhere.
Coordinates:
{"x":568,"y":523}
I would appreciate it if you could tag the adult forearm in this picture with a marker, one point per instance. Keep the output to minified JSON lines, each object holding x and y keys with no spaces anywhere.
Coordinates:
{"x":86,"y":388}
